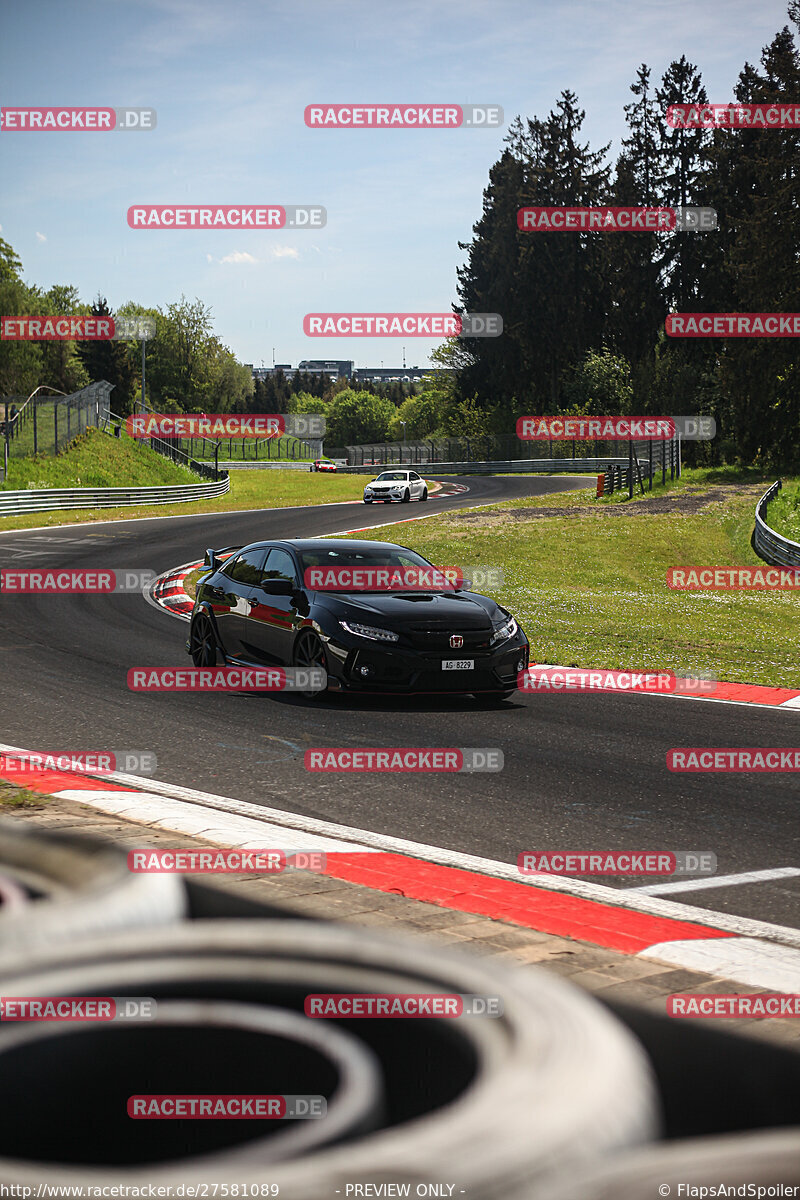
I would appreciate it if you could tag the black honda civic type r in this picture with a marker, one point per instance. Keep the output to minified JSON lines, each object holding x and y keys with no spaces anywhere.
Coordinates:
{"x":256,"y":608}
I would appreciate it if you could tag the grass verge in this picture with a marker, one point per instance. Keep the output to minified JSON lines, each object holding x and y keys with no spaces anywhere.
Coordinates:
{"x":12,"y":797}
{"x":783,"y":513}
{"x":587,"y":580}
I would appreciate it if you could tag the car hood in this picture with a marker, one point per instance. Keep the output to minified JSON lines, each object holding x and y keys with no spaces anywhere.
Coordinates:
{"x":387,"y":484}
{"x":448,"y":610}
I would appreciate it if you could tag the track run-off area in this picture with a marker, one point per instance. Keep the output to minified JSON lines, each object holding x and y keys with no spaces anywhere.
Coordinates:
{"x":583,"y":772}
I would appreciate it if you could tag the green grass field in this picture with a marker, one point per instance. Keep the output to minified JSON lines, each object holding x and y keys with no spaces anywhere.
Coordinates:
{"x":589,"y":584}
{"x":783,"y":513}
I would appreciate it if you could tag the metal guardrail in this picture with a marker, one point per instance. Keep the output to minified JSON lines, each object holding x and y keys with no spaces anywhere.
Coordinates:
{"x":768,"y":544}
{"x":263,"y":465}
{"x":50,"y":499}
{"x":564,"y":466}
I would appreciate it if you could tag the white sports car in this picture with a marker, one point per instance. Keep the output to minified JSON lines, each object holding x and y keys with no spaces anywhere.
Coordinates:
{"x":396,"y":485}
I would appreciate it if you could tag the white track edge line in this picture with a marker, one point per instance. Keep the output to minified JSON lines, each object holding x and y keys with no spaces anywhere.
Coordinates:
{"x":652,"y":906}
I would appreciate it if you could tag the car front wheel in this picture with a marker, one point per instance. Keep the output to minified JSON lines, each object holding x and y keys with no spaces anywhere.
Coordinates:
{"x":406,"y":496}
{"x":424,"y":495}
{"x":309,"y":652}
{"x":203,"y":642}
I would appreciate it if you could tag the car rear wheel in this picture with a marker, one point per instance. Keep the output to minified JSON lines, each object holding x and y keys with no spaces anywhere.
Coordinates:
{"x":203,"y":642}
{"x":309,"y":652}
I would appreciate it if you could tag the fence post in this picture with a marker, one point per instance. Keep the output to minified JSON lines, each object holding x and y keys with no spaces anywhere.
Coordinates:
{"x":650,"y":444}
{"x":663,"y":462}
{"x":55,"y":428}
{"x":35,"y":427}
{"x":630,"y":469}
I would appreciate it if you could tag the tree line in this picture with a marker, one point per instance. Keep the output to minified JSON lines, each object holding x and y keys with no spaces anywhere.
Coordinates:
{"x":188,"y":369}
{"x":584,"y":313}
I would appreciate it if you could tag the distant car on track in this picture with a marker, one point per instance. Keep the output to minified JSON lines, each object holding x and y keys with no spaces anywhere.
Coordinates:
{"x":396,"y":485}
{"x":256,"y":608}
{"x":324,"y":464}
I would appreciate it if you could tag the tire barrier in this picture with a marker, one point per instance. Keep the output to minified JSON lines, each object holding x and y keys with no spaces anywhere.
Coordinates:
{"x":492,"y":1105}
{"x":72,"y":1071}
{"x":736,"y":1083}
{"x":59,"y":887}
{"x":12,"y":897}
{"x":755,"y":1160}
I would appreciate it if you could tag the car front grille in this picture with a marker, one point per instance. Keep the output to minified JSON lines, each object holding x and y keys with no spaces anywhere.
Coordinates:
{"x":424,"y":638}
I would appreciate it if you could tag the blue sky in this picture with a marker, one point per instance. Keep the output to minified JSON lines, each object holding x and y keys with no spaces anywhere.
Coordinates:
{"x":230,"y":82}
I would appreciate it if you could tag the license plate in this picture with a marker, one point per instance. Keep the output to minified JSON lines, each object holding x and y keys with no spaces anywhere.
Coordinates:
{"x":458,"y":664}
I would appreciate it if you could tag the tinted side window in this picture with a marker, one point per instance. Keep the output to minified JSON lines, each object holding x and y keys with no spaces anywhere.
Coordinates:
{"x":247,"y":568}
{"x":280,"y":565}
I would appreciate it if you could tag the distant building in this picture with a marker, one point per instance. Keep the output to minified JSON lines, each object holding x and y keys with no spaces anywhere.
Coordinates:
{"x":345,"y":368}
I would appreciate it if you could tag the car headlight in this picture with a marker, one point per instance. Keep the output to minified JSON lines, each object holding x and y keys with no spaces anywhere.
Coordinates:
{"x":369,"y":631}
{"x":504,"y":632}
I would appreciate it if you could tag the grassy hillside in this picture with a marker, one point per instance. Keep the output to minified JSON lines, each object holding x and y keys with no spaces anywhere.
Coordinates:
{"x":96,"y":460}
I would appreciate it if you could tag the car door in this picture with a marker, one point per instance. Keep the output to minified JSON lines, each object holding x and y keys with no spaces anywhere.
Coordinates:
{"x":230,"y":596}
{"x":272,"y":619}
{"x":417,"y":485}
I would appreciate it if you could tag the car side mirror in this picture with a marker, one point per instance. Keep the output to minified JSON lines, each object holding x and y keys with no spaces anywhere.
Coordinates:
{"x":278,"y":587}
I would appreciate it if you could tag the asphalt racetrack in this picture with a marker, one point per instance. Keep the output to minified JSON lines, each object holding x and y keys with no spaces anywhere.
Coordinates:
{"x":582,"y":772}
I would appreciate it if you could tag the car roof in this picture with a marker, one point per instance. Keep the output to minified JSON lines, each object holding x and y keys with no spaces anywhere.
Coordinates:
{"x":317,"y":544}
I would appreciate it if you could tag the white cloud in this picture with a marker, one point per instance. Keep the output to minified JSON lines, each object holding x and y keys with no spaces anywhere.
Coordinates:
{"x":284,"y":252}
{"x":238,"y":256}
{"x":40,"y":237}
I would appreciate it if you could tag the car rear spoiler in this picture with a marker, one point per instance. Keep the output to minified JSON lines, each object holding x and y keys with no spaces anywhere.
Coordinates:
{"x":213,"y":557}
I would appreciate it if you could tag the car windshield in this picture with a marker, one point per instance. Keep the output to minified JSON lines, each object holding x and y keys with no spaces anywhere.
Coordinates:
{"x":378,"y":570}
{"x":392,"y":477}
